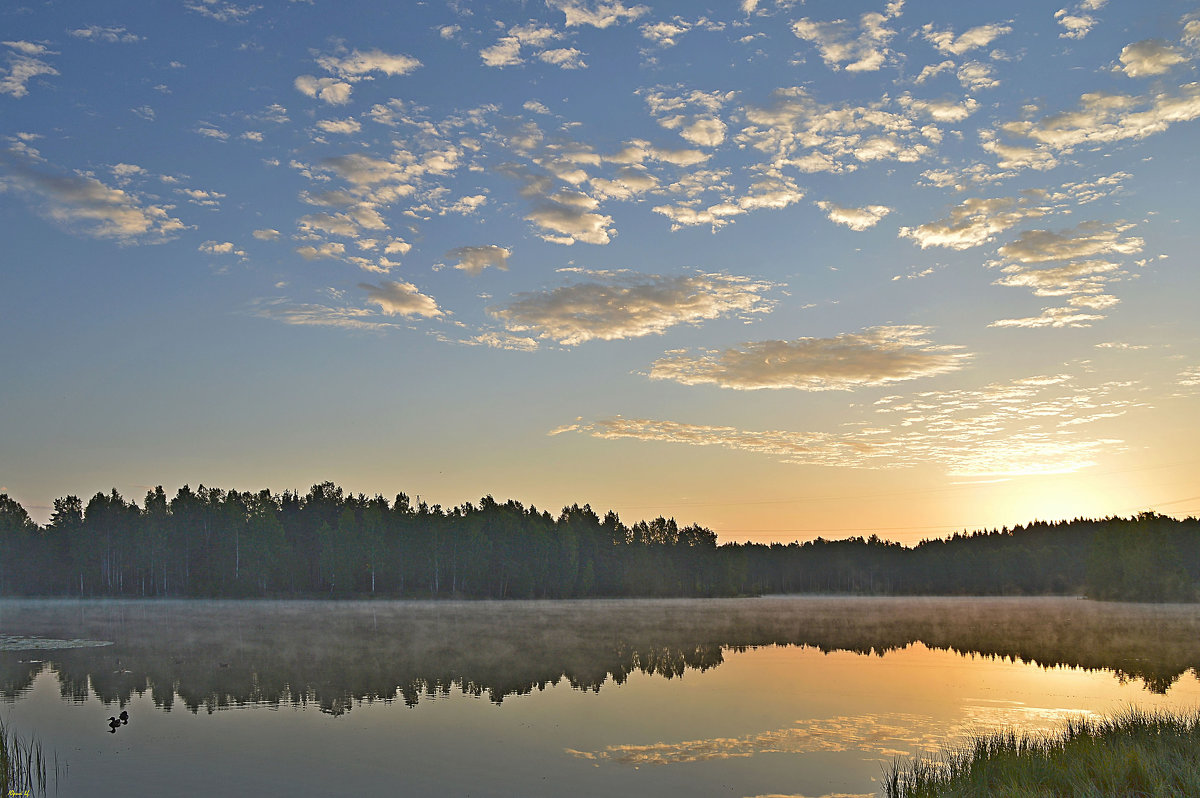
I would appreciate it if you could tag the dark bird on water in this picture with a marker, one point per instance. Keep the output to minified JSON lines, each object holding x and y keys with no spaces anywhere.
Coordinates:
{"x":124,"y":716}
{"x":113,"y":723}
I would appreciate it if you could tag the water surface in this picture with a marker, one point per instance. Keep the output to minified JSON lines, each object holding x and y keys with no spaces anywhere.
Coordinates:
{"x":744,"y":697}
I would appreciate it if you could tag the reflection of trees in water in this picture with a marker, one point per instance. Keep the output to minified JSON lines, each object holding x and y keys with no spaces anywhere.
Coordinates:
{"x":214,"y":655}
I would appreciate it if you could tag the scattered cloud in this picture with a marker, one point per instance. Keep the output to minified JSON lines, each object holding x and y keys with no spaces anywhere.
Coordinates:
{"x":84,"y":204}
{"x":358,"y":64}
{"x":973,"y":222}
{"x":1078,"y":20}
{"x":500,"y":340}
{"x":875,"y":356}
{"x":221,"y":248}
{"x":473,"y":260}
{"x":612,"y":305}
{"x":797,"y":132}
{"x":775,"y":194}
{"x":1149,"y":57}
{"x":313,"y":315}
{"x":221,"y":11}
{"x":508,"y":50}
{"x":343,"y":126}
{"x":396,"y":298}
{"x":844,"y":45}
{"x":100,"y":33}
{"x":1086,"y":240}
{"x":1069,"y":316}
{"x":1100,"y":118}
{"x":564,"y":57}
{"x":977,"y":76}
{"x":854,"y":218}
{"x":566,"y":217}
{"x":330,"y":90}
{"x":597,"y":13}
{"x":24,"y":64}
{"x":981,"y":36}
{"x":1031,"y":426}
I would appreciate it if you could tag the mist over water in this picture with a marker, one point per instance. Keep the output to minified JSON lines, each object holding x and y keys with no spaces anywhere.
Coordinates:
{"x":600,"y":695}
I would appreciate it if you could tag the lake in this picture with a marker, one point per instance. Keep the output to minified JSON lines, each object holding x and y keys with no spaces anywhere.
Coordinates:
{"x":781,"y":696}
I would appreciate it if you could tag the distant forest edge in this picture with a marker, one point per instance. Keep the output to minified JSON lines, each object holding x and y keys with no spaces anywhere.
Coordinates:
{"x":215,"y":543}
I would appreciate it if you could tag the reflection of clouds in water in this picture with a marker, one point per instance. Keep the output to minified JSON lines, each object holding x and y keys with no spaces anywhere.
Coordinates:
{"x":1003,"y":715}
{"x":885,"y":735}
{"x":871,"y":733}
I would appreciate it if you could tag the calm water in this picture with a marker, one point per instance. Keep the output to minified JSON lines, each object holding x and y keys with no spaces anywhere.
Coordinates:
{"x":747,"y":697}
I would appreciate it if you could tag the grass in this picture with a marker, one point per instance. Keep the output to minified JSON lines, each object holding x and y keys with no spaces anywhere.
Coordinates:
{"x":1134,"y":754}
{"x":22,"y":766}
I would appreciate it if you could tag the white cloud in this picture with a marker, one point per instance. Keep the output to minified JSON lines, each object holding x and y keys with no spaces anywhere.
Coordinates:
{"x":980,"y":36}
{"x":973,"y":222}
{"x":1069,"y":316}
{"x":933,"y":70}
{"x":1076,"y":277}
{"x":211,"y":132}
{"x":473,"y":260}
{"x":343,"y":126}
{"x":665,"y":34}
{"x":941,"y":110}
{"x":220,"y":248}
{"x":597,"y":13}
{"x":569,"y":216}
{"x":774,"y":194}
{"x":401,"y":299}
{"x":266,"y":234}
{"x":855,"y":48}
{"x":100,"y":33}
{"x":1105,"y":118}
{"x":334,"y":250}
{"x":1149,"y":57}
{"x":331,"y":90}
{"x":798,"y":132}
{"x":221,"y":11}
{"x":704,"y":132}
{"x":875,"y":356}
{"x":854,"y":218}
{"x":312,"y":315}
{"x":23,"y":66}
{"x":626,"y":183}
{"x":205,"y":199}
{"x":1029,"y":426}
{"x":976,"y":75}
{"x":498,"y":340}
{"x":358,"y":64}
{"x":85,"y":204}
{"x":507,"y":51}
{"x":1086,"y":240}
{"x":616,"y":305}
{"x":564,"y":57}
{"x":1078,"y":20}
{"x":1189,"y":378}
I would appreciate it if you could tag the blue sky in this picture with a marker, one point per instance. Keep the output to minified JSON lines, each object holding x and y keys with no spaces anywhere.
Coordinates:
{"x":781,"y":268}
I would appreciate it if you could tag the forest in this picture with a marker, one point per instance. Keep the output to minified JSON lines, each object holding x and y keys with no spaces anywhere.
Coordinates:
{"x":211,"y":542}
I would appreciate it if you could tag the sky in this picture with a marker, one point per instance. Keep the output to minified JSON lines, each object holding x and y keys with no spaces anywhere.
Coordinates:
{"x":783,"y":269}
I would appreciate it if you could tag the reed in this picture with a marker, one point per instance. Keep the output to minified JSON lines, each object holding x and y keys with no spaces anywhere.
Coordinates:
{"x":23,"y":765}
{"x":1134,"y":753}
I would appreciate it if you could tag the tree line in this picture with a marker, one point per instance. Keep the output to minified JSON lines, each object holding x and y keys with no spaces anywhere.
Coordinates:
{"x":213,"y":542}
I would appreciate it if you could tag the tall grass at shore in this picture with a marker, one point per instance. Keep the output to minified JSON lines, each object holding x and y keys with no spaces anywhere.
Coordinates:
{"x":1134,"y":753}
{"x":22,"y":765}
